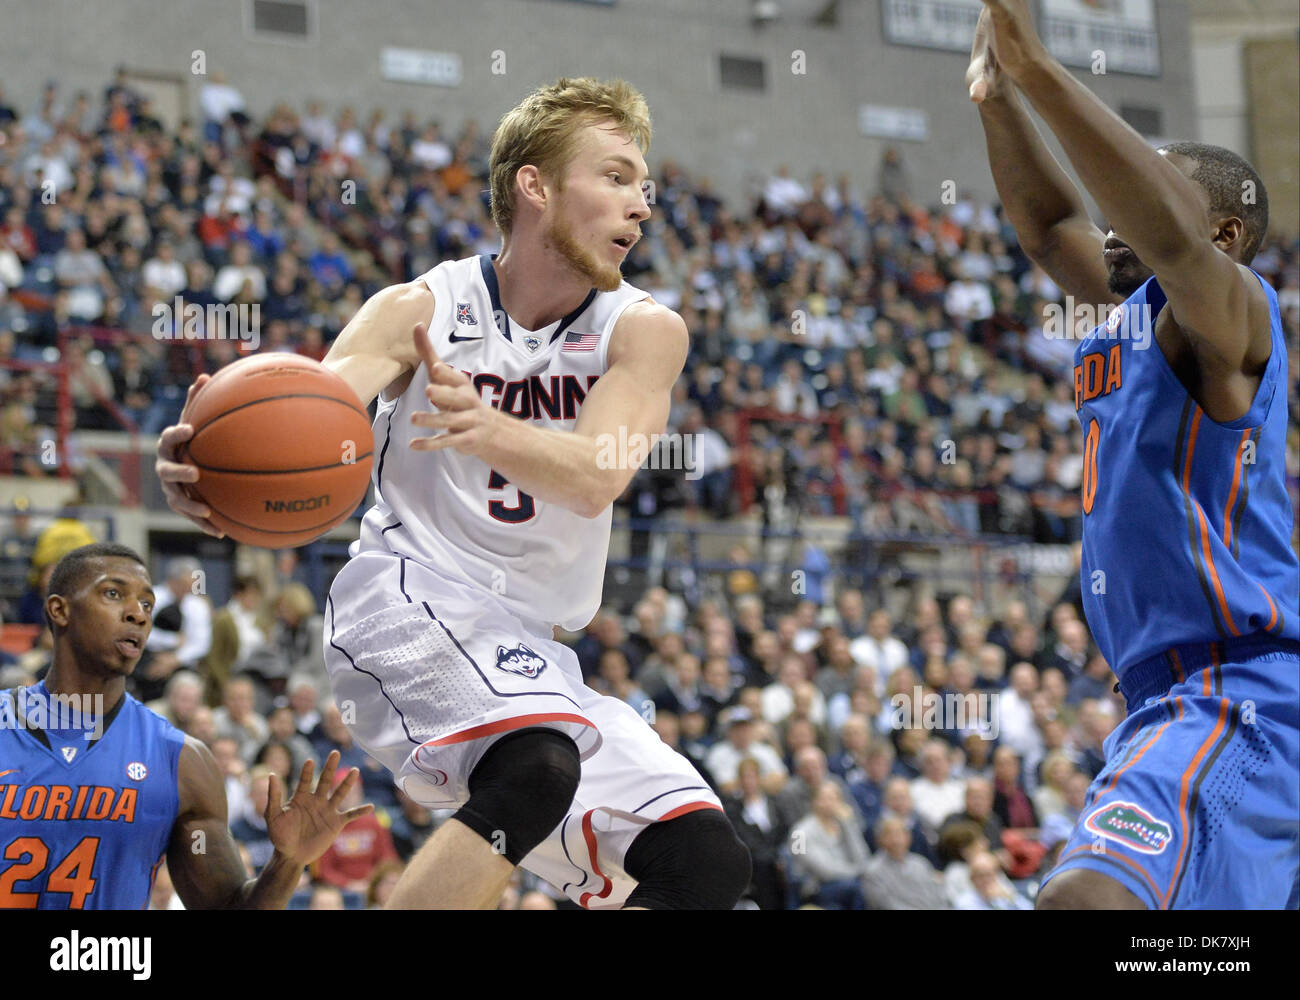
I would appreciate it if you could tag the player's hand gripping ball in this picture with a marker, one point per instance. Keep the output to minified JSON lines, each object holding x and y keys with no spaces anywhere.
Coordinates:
{"x":283,"y":447}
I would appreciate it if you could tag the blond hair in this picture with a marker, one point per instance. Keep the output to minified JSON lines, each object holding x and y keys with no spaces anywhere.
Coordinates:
{"x":542,"y":128}
{"x":299,"y":598}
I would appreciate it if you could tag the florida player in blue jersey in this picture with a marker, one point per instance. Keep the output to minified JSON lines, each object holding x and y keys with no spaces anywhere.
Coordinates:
{"x":88,"y":811}
{"x":1190,"y":584}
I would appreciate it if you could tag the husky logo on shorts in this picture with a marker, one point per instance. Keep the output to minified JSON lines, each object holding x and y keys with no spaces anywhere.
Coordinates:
{"x":1130,"y":825}
{"x":520,"y":660}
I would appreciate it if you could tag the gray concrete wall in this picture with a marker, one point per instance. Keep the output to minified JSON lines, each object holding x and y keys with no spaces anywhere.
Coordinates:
{"x":669,"y":48}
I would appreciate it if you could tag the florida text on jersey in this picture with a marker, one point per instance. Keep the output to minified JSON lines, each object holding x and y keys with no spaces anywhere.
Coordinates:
{"x":1187,"y":521}
{"x":84,"y":821}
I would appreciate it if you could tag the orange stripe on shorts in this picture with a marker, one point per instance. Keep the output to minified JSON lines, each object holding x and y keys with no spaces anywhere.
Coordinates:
{"x":1114,"y":778}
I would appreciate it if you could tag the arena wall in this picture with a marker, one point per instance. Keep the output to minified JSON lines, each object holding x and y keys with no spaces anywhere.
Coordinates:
{"x":669,"y":48}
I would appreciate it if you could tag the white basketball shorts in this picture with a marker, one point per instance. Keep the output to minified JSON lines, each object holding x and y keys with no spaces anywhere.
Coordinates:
{"x":429,"y":672}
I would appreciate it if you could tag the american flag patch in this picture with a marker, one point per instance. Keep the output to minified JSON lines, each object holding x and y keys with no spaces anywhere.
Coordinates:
{"x":580,"y":341}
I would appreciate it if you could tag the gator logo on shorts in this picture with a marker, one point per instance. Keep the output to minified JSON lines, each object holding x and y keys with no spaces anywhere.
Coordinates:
{"x":520,"y":660}
{"x":1130,"y":825}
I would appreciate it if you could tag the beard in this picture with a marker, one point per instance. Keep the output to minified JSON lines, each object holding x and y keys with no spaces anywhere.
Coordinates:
{"x":1126,"y":278}
{"x":559,"y":237}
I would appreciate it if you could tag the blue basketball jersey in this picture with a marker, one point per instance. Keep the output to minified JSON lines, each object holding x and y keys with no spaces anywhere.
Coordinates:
{"x":1187,"y":522}
{"x":83,"y":822}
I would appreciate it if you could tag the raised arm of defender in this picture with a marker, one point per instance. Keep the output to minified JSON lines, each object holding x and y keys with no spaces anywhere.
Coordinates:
{"x":1040,"y":201}
{"x":202,"y":858}
{"x":1153,"y":206}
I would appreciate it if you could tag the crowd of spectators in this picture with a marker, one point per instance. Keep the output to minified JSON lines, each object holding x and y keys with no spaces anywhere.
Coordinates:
{"x":910,"y":338}
{"x":809,"y":723}
{"x":886,"y":359}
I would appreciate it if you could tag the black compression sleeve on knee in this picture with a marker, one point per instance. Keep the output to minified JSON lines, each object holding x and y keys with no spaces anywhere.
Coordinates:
{"x":693,"y":862}
{"x":521,"y":789}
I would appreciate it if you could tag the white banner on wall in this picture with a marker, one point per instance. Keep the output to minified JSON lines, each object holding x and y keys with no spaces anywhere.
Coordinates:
{"x":1074,"y":30}
{"x":439,"y":69}
{"x":893,"y":123}
{"x":935,"y":24}
{"x":1124,"y":31}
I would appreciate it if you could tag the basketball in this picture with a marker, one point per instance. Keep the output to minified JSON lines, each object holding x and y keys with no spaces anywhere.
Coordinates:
{"x":283,"y":447}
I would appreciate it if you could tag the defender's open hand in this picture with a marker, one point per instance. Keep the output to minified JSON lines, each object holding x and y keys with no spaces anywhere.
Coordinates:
{"x":984,"y":79}
{"x":304,"y":829}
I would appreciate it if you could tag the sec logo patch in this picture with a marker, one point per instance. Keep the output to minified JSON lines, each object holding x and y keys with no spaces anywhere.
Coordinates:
{"x":136,"y":771}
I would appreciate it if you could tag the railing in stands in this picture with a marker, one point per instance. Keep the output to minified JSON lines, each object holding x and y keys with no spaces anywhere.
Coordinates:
{"x":130,"y":469}
{"x":35,"y":457}
{"x":699,"y":558}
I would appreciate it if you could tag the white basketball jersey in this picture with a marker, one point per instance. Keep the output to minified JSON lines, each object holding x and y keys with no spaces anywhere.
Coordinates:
{"x":456,"y":514}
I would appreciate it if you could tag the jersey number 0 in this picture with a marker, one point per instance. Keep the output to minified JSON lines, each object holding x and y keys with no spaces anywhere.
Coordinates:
{"x":1090,"y":465}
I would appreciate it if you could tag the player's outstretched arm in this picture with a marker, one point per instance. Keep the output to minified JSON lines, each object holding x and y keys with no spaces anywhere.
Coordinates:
{"x":1040,"y":200}
{"x":1148,"y":202}
{"x":375,"y":349}
{"x":582,"y":470}
{"x":202,"y":858}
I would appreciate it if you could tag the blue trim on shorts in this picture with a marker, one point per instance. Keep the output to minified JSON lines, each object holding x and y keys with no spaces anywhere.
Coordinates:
{"x":685,"y":788}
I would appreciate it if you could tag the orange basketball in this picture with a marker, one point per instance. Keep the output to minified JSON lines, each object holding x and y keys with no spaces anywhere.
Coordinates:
{"x":283,"y":447}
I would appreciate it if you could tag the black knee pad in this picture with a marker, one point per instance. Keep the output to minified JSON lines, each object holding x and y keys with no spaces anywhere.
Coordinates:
{"x":693,"y":862}
{"x":521,"y":789}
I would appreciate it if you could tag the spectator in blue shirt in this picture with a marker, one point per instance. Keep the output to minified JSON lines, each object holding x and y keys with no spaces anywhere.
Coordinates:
{"x":329,"y":265}
{"x":264,"y":237}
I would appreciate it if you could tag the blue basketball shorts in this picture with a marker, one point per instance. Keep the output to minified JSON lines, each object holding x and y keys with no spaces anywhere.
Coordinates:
{"x":1198,"y":806}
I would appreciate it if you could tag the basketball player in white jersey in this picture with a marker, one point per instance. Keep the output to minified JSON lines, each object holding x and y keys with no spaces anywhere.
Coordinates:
{"x":497,"y":379}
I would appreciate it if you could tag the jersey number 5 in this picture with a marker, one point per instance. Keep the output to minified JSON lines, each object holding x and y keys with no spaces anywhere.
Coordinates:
{"x":1090,"y":465}
{"x":524,"y":510}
